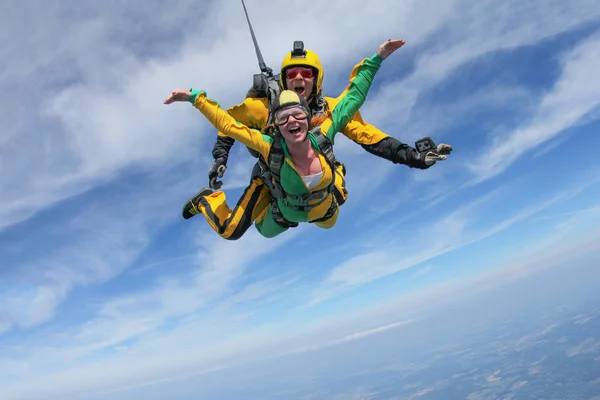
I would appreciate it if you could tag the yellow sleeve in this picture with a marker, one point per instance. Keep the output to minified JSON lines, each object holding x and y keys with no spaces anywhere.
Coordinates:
{"x":228,"y":125}
{"x":252,"y":112}
{"x":357,"y":129}
{"x":362,"y":132}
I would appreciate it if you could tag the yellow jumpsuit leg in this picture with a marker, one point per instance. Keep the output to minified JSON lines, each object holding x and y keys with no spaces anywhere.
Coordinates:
{"x":232,"y":224}
{"x":253,"y":206}
{"x":329,"y":222}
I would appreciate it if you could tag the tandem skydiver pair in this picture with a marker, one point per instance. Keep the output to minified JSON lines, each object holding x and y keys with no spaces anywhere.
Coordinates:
{"x":290,"y":126}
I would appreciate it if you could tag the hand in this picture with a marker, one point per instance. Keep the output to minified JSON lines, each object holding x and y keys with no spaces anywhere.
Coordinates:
{"x":216,"y":171}
{"x":387,"y":48}
{"x":178,"y":95}
{"x":441,"y":153}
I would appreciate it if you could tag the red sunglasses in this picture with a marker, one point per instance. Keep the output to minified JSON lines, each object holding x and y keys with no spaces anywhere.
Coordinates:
{"x":306,"y":73}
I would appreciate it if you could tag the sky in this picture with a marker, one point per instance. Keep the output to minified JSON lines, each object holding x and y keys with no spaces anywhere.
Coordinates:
{"x":103,"y":285}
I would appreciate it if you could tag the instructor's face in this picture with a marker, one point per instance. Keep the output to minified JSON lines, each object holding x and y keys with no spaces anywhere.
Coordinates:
{"x":301,"y":80}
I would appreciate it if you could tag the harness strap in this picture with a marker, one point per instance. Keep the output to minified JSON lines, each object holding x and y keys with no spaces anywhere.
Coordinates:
{"x":270,"y":170}
{"x":326,"y":149}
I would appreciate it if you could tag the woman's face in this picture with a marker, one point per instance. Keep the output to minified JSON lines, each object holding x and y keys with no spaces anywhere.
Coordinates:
{"x":293,"y":124}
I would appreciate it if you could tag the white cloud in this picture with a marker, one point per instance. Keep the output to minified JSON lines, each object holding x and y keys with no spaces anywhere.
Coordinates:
{"x":464,"y":226}
{"x":349,"y":337}
{"x":424,"y":270}
{"x":168,"y":355}
{"x":118,"y":119}
{"x":188,"y":301}
{"x":92,"y":249}
{"x":575,"y":94}
{"x":469,"y":33}
{"x":224,"y":261}
{"x":110,"y":114}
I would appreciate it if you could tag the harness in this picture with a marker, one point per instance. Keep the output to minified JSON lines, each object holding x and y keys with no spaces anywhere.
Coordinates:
{"x":270,"y":172}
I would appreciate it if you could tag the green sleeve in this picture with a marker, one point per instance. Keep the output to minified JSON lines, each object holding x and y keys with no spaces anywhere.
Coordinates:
{"x":355,"y":96}
{"x":195,"y":94}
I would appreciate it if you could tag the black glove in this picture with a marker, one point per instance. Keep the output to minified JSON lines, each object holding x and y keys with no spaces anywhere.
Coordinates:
{"x":217,"y":171}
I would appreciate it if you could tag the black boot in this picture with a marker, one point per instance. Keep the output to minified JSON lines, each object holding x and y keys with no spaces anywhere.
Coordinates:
{"x":191,"y":207}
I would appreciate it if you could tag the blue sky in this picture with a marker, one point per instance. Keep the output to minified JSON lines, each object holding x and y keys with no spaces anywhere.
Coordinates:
{"x":99,"y":269}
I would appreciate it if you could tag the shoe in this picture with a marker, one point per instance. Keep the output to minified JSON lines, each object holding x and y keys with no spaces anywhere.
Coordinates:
{"x":191,"y":207}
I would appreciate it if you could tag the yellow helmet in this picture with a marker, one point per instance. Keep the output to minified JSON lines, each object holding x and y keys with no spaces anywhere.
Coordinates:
{"x":301,"y":57}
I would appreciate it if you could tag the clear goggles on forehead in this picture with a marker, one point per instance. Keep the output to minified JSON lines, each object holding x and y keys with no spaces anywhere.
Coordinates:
{"x":282,"y":117}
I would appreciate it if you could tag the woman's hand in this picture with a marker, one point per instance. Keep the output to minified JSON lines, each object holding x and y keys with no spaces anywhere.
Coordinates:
{"x":387,"y":48}
{"x":178,"y":95}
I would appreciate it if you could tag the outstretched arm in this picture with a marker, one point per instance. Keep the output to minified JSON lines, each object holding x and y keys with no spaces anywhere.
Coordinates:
{"x":382,"y":145}
{"x":252,"y":112}
{"x":221,"y":120}
{"x":360,"y":82}
{"x":369,"y":137}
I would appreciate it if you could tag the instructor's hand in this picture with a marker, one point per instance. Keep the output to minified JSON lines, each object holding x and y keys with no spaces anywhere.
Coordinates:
{"x":441,"y":153}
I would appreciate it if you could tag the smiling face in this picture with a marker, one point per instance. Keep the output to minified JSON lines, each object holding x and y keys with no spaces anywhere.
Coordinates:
{"x":293,"y":124}
{"x":300,"y":79}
